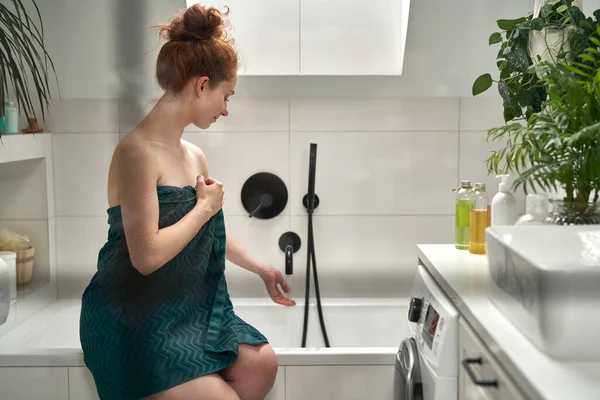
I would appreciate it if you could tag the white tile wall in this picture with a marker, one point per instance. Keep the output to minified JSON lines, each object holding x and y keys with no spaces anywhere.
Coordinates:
{"x":81,"y":173}
{"x":78,"y":240}
{"x":84,"y":116}
{"x":393,"y":114}
{"x":366,"y":256}
{"x":23,"y":190}
{"x":378,"y":173}
{"x":260,"y":237}
{"x":385,"y":170}
{"x":234,"y":157}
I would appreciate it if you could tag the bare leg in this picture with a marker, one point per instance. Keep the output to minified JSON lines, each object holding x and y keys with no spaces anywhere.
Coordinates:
{"x":253,"y":374}
{"x":209,"y":387}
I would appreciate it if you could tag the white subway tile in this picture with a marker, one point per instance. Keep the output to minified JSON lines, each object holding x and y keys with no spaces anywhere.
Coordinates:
{"x":366,"y":256}
{"x":234,"y":157}
{"x":377,"y":172}
{"x":387,"y":114}
{"x":81,"y":173}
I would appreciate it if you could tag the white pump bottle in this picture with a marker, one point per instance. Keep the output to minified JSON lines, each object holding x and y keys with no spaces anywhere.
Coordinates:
{"x":504,"y":204}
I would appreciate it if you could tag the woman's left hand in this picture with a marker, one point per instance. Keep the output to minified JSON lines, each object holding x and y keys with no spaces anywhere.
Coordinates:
{"x":272,"y":278}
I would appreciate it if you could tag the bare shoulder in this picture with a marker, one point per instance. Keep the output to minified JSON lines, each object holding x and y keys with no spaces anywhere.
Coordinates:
{"x":135,"y":150}
{"x":198,"y":154}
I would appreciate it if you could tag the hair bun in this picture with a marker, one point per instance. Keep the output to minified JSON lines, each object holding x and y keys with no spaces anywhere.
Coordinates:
{"x":198,"y":22}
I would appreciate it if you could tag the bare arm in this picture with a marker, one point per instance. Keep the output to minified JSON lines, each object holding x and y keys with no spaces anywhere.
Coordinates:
{"x":150,"y":247}
{"x":236,"y":253}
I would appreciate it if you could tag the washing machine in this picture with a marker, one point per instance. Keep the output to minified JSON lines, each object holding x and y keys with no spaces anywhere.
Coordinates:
{"x":427,"y":359}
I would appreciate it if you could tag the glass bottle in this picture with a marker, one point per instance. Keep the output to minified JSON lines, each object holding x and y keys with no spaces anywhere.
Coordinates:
{"x":479,"y":219}
{"x":462,"y":210}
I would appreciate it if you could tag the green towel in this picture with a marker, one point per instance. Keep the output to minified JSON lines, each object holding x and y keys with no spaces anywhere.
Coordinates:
{"x":141,"y":335}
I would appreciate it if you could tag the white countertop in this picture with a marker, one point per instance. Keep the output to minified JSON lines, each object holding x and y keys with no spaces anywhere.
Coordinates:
{"x":464,"y":278}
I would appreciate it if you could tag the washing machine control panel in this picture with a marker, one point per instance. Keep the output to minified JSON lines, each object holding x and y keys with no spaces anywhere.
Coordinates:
{"x":430,"y":326}
{"x":433,"y":322}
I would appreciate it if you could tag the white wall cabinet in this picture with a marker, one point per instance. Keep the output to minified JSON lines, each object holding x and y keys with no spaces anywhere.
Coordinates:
{"x":341,"y":37}
{"x":318,"y":37}
{"x":266,"y":32}
{"x":483,"y":369}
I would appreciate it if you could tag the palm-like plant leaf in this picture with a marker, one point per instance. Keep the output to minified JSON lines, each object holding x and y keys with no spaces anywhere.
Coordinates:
{"x":24,"y":59}
{"x":560,"y":145}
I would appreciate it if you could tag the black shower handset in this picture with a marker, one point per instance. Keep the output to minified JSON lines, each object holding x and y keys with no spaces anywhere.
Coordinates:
{"x":311,"y":201}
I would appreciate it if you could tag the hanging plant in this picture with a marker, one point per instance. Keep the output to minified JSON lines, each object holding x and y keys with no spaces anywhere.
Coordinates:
{"x":24,"y":60}
{"x":522,"y":92}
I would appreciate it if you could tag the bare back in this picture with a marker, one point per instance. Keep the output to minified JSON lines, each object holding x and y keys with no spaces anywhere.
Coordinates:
{"x":176,"y":165}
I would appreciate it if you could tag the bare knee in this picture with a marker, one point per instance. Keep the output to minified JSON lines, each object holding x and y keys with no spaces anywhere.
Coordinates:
{"x":268,"y":363}
{"x":209,"y":387}
{"x":253,"y":374}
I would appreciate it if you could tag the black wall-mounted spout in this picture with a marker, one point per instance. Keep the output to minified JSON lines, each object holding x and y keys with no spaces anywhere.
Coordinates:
{"x":289,"y":243}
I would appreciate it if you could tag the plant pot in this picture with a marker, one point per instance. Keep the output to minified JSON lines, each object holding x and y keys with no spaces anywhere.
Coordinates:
{"x":33,"y":126}
{"x":548,"y":43}
{"x":572,"y":213}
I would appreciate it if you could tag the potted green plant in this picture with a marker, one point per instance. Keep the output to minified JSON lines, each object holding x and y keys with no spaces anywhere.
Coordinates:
{"x":559,"y":147}
{"x":518,"y":84}
{"x":24,"y":61}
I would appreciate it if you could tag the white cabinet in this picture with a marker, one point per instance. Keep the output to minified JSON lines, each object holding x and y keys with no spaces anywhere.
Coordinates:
{"x":266,"y":33}
{"x":341,"y":37}
{"x":339,"y":382}
{"x":480,"y":376}
{"x":30,"y":383}
{"x":82,"y":386}
{"x":318,"y":37}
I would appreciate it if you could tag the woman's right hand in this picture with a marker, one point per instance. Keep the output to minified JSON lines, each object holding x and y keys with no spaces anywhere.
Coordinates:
{"x":210,"y":194}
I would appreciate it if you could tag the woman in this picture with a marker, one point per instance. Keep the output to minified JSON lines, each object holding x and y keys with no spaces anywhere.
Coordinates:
{"x":156,"y":318}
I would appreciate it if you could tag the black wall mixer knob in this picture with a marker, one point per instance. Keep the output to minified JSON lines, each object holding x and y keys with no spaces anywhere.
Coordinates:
{"x":264,"y":195}
{"x":414,"y":309}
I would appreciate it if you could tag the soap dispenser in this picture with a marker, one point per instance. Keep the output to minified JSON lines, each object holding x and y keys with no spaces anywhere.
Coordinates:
{"x":536,"y":210}
{"x":504,"y":204}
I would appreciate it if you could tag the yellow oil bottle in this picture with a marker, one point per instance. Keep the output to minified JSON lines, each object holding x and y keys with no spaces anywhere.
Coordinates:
{"x":479,"y":219}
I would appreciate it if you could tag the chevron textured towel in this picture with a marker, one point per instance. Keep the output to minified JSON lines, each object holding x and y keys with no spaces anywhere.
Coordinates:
{"x":141,"y":335}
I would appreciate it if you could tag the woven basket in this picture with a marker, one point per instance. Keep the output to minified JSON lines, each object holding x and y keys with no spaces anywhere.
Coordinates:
{"x":25,"y":260}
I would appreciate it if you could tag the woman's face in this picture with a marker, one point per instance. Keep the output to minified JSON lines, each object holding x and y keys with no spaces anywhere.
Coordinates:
{"x":210,"y":102}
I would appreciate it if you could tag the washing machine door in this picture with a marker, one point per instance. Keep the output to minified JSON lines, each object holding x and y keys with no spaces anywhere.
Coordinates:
{"x":407,"y":378}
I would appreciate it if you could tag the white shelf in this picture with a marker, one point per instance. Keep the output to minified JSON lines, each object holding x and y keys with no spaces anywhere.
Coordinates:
{"x":21,"y":147}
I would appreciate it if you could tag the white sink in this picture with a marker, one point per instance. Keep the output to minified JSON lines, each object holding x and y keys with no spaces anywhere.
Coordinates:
{"x":546,"y":281}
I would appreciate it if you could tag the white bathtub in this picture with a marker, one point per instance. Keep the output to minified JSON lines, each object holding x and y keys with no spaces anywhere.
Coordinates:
{"x":364,"y":335}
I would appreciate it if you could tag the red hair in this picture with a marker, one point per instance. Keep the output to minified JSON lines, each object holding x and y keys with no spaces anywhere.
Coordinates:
{"x":197,"y":45}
